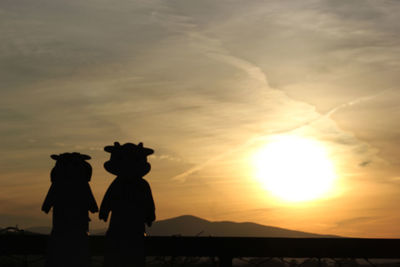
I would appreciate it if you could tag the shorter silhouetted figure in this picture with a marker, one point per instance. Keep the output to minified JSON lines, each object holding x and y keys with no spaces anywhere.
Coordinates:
{"x":130,"y":202}
{"x":71,"y":198}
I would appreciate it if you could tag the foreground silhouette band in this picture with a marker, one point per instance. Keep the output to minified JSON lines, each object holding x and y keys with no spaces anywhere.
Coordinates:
{"x":71,"y":198}
{"x":130,"y":201}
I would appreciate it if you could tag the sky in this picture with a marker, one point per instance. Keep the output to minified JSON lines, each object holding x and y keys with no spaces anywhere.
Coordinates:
{"x":206,"y":84}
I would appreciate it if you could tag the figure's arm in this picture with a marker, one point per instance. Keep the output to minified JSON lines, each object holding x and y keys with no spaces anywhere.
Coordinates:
{"x":150,"y":207}
{"x":92,"y":201}
{"x":49,"y":200}
{"x":105,"y":206}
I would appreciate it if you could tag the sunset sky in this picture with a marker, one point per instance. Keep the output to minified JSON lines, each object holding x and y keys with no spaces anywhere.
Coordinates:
{"x":208,"y":85}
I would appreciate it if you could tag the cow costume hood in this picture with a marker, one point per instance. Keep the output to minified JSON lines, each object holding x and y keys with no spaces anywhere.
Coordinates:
{"x":128,"y":159}
{"x":71,"y":166}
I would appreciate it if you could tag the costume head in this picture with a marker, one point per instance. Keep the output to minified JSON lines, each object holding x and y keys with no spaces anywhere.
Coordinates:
{"x":71,"y":167}
{"x":128,"y":159}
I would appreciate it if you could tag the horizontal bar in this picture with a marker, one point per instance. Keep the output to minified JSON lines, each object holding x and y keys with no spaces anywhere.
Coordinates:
{"x":228,"y":246}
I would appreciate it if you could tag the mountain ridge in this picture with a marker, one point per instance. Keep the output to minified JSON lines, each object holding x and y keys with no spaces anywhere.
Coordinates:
{"x":189,"y":225}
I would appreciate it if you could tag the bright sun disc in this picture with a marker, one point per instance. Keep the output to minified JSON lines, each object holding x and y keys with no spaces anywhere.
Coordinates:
{"x":294,"y":169}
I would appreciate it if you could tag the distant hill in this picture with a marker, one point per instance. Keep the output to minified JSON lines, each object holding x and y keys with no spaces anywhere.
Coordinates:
{"x":188,"y":225}
{"x":39,"y":229}
{"x":17,"y":231}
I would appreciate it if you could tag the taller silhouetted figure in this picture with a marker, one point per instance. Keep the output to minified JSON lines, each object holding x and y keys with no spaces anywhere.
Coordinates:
{"x":71,"y":198}
{"x":130,"y":202}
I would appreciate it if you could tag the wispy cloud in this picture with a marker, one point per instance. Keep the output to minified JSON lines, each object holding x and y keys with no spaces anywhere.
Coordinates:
{"x":198,"y":81}
{"x":181,"y":177}
{"x":356,"y":221}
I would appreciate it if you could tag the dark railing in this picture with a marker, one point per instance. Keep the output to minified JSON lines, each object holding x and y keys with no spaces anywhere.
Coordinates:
{"x":227,"y":248}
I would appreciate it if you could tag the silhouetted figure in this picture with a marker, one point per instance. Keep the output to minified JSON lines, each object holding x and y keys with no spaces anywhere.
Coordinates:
{"x":71,"y":198}
{"x":131,"y":204}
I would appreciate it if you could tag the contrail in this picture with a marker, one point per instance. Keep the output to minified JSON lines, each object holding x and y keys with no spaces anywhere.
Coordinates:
{"x":181,"y":177}
{"x":217,"y":51}
{"x":355,"y":102}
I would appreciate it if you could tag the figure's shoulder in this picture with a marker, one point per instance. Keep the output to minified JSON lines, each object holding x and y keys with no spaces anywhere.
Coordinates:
{"x":144,"y":183}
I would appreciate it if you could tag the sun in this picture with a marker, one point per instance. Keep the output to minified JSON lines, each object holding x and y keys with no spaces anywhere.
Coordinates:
{"x":294,"y":169}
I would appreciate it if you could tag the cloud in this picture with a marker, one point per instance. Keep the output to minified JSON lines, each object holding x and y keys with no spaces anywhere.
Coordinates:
{"x":201,"y":82}
{"x":356,"y":221}
{"x":365,"y":163}
{"x":327,"y":115}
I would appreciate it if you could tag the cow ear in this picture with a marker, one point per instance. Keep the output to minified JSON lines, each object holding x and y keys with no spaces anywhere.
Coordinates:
{"x":55,"y":157}
{"x":147,"y":151}
{"x":109,"y":149}
{"x":85,"y":157}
